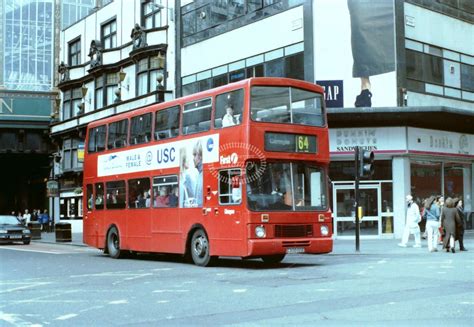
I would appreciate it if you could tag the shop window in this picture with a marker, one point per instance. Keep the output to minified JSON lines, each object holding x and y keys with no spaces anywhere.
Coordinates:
{"x":71,"y":101}
{"x":109,"y":34}
{"x":165,"y":191}
{"x":75,"y":52}
{"x":467,"y":77}
{"x":140,"y":129}
{"x":229,"y":108}
{"x":99,"y":92}
{"x":425,"y":179}
{"x":96,"y":139}
{"x":424,"y":67}
{"x":167,"y":123}
{"x":275,"y":68}
{"x":456,"y":180}
{"x":139,"y":193}
{"x":151,"y":14}
{"x":344,"y":170}
{"x":294,"y":66}
{"x":117,"y":134}
{"x":111,"y":85}
{"x":189,"y":23}
{"x":115,"y":198}
{"x":147,"y":72}
{"x":70,"y":159}
{"x":197,"y":116}
{"x":230,"y":186}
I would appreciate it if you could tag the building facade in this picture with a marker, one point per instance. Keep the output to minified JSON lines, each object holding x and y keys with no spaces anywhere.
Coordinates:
{"x":393,"y":84}
{"x":117,"y":58}
{"x":378,"y":61}
{"x":26,"y":102}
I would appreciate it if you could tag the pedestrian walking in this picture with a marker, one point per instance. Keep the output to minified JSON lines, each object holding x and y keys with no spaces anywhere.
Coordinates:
{"x":44,"y":218}
{"x":432,"y":216}
{"x":411,"y":226}
{"x":461,"y":227}
{"x":440,"y":201}
{"x":20,"y":217}
{"x":449,"y":219}
{"x":26,"y":217}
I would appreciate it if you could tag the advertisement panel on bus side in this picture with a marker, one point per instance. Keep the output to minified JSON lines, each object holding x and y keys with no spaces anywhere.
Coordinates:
{"x":159,"y":156}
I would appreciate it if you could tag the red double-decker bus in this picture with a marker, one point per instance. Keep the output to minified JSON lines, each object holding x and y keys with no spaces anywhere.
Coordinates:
{"x":240,"y":170}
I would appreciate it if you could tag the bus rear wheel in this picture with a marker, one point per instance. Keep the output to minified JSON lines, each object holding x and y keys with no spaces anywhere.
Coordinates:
{"x":274,"y":258}
{"x":200,"y":249}
{"x":113,"y":243}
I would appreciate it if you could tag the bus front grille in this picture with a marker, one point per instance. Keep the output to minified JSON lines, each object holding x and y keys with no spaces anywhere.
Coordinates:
{"x":293,"y":230}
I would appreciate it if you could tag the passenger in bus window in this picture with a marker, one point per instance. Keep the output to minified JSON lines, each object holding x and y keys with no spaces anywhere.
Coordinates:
{"x":229,"y":119}
{"x":90,"y":202}
{"x":140,"y":202}
{"x":173,"y":197}
{"x":162,"y":199}
{"x":147,"y":197}
{"x":99,"y":199}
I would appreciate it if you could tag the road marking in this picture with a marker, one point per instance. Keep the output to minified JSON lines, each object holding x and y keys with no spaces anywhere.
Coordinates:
{"x":118,"y":302}
{"x":162,"y":301}
{"x":22,"y":287}
{"x":170,"y":291}
{"x":242,"y":290}
{"x":29,"y":250}
{"x":66,"y":317}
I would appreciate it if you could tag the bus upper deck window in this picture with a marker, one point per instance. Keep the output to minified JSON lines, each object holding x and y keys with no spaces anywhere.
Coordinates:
{"x":229,"y":107}
{"x":197,"y":116}
{"x":167,"y":123}
{"x":140,"y":129}
{"x":117,"y":134}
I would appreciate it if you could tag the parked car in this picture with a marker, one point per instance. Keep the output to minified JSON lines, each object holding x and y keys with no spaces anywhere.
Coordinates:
{"x":11,"y":230}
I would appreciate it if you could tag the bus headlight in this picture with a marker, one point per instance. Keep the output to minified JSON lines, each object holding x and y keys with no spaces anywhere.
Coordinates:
{"x":260,"y":231}
{"x":324,"y":230}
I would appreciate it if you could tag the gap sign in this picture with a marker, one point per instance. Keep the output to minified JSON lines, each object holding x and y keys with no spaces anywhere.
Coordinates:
{"x":333,"y":93}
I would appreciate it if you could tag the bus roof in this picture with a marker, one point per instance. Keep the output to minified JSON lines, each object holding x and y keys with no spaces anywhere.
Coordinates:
{"x":275,"y":81}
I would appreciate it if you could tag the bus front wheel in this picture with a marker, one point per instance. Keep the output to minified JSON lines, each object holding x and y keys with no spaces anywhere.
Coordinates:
{"x":272,"y":259}
{"x":200,"y":249}
{"x":113,"y":243}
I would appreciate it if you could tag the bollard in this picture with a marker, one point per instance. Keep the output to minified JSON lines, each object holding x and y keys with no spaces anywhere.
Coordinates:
{"x":63,"y":232}
{"x":35,"y":229}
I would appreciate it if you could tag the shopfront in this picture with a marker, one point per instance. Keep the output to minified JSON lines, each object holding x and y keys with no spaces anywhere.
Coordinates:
{"x":408,"y":160}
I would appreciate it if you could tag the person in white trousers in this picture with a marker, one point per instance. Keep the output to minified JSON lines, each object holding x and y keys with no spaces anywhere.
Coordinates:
{"x":411,"y":225}
{"x":432,"y":214}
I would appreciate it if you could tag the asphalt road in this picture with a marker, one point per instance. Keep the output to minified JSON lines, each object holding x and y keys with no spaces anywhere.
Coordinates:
{"x":63,"y":285}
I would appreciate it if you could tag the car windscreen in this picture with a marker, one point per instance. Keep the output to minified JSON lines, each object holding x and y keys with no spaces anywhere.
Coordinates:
{"x":8,"y":220}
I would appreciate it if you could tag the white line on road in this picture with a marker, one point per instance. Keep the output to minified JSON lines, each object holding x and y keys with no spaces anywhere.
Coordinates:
{"x":118,"y":302}
{"x":170,"y":291}
{"x":68,"y":316}
{"x":242,"y":290}
{"x":21,"y":287}
{"x":30,"y":250}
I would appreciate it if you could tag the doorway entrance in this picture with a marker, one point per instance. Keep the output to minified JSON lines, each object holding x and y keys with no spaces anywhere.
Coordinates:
{"x":376,"y":221}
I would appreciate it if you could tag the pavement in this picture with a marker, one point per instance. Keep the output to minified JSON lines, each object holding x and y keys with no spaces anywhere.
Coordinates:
{"x":344,"y":246}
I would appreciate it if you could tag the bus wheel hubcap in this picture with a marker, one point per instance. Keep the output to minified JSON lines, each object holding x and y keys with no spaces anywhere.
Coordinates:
{"x":200,"y":246}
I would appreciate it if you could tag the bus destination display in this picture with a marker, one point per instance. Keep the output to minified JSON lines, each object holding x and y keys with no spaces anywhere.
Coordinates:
{"x":281,"y":142}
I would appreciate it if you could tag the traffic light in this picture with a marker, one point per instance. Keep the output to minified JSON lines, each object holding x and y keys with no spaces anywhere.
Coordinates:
{"x":366,"y":163}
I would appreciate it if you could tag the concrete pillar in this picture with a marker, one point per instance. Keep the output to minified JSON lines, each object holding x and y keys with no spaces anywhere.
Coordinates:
{"x":401,"y":187}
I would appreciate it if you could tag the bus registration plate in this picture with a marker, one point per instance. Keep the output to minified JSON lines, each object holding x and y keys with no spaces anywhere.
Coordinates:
{"x":294,"y":250}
